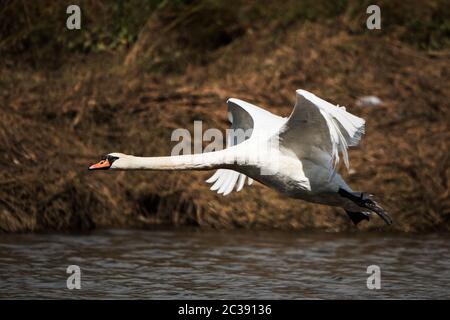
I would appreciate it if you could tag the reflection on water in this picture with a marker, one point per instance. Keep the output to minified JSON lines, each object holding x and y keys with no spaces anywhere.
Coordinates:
{"x":223,"y":265}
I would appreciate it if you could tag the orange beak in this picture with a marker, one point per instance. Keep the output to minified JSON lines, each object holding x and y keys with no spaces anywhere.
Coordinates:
{"x":102,"y":165}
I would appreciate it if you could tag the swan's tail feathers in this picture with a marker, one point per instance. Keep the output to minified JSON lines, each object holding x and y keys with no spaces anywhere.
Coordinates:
{"x":357,"y":217}
{"x":364,"y":200}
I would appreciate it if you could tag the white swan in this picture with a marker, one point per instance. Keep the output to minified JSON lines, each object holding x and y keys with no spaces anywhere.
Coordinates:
{"x":297,"y":156}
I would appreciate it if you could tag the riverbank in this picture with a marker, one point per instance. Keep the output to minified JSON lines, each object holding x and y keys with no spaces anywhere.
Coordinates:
{"x":56,"y":120}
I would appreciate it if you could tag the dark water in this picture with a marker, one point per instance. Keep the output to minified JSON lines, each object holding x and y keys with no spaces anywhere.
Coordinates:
{"x":210,"y":264}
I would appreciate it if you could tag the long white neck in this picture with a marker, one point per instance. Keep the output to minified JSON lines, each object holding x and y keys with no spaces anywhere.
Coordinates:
{"x":204,"y":161}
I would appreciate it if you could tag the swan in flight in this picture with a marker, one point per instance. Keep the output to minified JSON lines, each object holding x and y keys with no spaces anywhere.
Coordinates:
{"x":297,"y":156}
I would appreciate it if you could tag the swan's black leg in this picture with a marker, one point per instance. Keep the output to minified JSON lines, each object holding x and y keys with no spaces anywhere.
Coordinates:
{"x":357,"y":217}
{"x":363,"y":200}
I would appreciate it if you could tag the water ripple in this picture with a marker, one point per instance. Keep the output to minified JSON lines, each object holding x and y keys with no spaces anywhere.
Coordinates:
{"x":189,"y":264}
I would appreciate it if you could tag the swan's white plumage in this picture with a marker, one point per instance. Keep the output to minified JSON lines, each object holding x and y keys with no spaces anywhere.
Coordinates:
{"x":316,"y":123}
{"x":293,"y":155}
{"x":260,"y":124}
{"x":297,"y":156}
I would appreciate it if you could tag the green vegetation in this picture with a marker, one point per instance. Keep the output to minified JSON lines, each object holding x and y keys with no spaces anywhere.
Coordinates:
{"x":192,"y":29}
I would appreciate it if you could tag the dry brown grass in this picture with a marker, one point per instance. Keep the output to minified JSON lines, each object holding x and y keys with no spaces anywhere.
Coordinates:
{"x":53,"y":124}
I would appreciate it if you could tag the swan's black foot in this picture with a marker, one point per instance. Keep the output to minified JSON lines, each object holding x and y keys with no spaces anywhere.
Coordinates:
{"x":363,"y":200}
{"x":375,"y":207}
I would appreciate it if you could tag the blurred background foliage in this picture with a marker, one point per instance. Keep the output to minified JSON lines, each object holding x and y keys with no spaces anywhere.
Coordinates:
{"x":137,"y":70}
{"x":184,"y":31}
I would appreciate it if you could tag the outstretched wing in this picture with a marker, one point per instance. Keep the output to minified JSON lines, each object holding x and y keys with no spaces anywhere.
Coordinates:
{"x":316,"y":123}
{"x":247,"y":121}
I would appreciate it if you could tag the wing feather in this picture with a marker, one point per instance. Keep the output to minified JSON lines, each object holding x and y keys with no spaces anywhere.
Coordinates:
{"x":253,"y":120}
{"x":316,"y":123}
